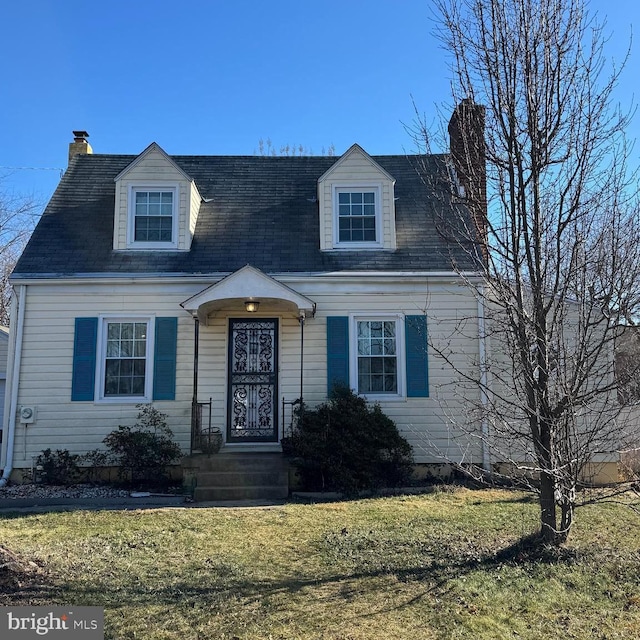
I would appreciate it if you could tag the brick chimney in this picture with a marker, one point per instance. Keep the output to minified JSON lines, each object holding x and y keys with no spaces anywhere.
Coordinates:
{"x":79,"y":144}
{"x":466,"y":141}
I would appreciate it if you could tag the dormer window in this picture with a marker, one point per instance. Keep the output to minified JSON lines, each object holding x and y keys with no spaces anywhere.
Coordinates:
{"x":356,"y":205}
{"x":153,"y":217}
{"x":357,"y":216}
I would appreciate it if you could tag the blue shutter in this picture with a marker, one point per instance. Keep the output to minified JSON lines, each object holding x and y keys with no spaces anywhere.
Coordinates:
{"x":415,"y":331}
{"x":83,"y":378}
{"x":337,"y":351}
{"x":164,"y":365}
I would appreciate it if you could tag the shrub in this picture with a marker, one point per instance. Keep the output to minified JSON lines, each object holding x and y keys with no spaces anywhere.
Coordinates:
{"x":347,"y":445}
{"x":94,"y":462}
{"x":57,"y":467}
{"x":144,"y":451}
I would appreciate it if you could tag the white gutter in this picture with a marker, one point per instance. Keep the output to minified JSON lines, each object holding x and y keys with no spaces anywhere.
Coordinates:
{"x":484,"y":391}
{"x":121,"y":277}
{"x":15,"y":379}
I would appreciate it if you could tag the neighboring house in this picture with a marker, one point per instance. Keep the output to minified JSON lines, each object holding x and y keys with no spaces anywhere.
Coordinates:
{"x":4,"y":348}
{"x":250,"y":281}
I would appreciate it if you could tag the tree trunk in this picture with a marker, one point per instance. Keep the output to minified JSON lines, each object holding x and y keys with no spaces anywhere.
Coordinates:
{"x":548,"y":526}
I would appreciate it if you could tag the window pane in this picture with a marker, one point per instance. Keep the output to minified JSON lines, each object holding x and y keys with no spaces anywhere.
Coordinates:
{"x":125,"y":362}
{"x":126,"y":331}
{"x":124,"y":386}
{"x":357,"y":210}
{"x":377,"y":362}
{"x":137,"y":386}
{"x":126,"y":348}
{"x":113,"y":348}
{"x":376,"y":347}
{"x":153,"y":216}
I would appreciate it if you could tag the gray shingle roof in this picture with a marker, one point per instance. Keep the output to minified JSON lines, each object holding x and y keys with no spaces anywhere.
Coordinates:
{"x":258,"y":210}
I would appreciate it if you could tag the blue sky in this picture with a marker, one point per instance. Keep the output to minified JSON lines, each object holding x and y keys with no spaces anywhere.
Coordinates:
{"x":214,"y":77}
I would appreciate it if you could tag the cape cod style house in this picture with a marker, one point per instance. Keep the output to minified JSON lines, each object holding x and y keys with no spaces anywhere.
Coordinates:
{"x":223,"y":288}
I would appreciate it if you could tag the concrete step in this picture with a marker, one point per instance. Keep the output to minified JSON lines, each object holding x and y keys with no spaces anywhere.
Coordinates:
{"x":242,"y":478}
{"x":237,"y":476}
{"x":237,"y":462}
{"x":214,"y":494}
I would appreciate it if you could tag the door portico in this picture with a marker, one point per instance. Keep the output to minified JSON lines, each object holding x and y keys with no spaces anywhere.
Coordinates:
{"x":254,"y":303}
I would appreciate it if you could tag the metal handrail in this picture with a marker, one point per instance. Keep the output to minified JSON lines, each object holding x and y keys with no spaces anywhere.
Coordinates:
{"x":198,"y":429}
{"x":292,"y":417}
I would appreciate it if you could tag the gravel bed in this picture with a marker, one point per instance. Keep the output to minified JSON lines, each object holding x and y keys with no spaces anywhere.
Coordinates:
{"x":22,"y":491}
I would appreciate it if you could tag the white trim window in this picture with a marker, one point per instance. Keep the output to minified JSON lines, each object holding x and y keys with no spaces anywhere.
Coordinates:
{"x":153,"y":217}
{"x":126,"y":366}
{"x":377,"y":367}
{"x":357,"y":216}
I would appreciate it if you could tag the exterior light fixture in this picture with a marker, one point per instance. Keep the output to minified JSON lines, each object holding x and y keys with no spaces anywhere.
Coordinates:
{"x":251,"y":305}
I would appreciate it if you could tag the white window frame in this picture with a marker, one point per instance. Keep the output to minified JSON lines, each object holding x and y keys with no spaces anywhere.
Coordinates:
{"x":356,"y":187}
{"x":401,"y":393}
{"x":103,"y":322}
{"x":132,"y":243}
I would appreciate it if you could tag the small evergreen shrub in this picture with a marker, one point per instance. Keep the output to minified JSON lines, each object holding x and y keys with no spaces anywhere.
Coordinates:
{"x":144,"y":451}
{"x":58,"y":467}
{"x":347,"y":445}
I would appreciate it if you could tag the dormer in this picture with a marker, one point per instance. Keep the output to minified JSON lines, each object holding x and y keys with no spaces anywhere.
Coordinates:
{"x":157,"y":204}
{"x":356,"y":204}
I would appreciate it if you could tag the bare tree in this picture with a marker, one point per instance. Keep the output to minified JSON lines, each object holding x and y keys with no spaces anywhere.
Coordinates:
{"x":18,"y":217}
{"x":554,"y":211}
{"x":267,"y":148}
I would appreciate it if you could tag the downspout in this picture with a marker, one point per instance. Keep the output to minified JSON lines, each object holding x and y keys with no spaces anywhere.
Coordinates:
{"x":484,"y":395}
{"x":195,"y":426}
{"x":301,"y":319}
{"x":15,"y":380}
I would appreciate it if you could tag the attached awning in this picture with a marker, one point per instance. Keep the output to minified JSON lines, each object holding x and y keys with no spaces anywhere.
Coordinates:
{"x":248,"y":283}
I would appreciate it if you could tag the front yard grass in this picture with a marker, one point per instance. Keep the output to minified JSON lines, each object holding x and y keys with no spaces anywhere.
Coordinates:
{"x":451,"y":564}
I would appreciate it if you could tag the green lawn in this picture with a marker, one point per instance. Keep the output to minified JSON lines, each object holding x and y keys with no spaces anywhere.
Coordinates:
{"x":450,"y":564}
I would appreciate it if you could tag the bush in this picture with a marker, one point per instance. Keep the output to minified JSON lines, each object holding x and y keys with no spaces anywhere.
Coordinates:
{"x":144,"y":451}
{"x":347,"y":445}
{"x":57,"y":467}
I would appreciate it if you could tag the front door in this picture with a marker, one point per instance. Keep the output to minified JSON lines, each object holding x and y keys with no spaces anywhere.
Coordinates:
{"x":253,"y":381}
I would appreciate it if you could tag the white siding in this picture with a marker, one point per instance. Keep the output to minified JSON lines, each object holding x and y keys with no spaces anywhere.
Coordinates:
{"x":194,"y":208}
{"x":45,"y":379}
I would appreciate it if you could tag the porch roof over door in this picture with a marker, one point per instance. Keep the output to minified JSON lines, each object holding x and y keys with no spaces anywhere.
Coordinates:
{"x":248,"y":283}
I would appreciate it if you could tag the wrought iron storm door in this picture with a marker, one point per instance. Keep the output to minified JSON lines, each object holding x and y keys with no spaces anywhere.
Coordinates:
{"x":253,"y":380}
